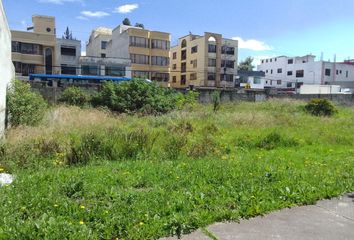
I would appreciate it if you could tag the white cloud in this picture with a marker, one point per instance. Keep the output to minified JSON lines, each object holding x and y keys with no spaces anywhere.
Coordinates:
{"x":127,"y":8}
{"x":60,"y":1}
{"x":252,"y":44}
{"x":82,"y":18}
{"x":97,"y":14}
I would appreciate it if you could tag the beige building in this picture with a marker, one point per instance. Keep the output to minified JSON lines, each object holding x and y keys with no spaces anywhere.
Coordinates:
{"x":33,"y":52}
{"x":204,"y":61}
{"x":147,"y":51}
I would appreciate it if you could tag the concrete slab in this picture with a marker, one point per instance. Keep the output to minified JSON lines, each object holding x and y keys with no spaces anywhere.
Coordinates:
{"x":198,"y":235}
{"x":309,"y":222}
{"x":343,"y":206}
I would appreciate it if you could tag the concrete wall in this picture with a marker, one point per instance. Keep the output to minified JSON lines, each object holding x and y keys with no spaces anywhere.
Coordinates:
{"x":6,"y":69}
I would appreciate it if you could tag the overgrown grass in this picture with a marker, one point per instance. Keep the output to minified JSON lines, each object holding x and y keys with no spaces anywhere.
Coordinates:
{"x":87,"y":174}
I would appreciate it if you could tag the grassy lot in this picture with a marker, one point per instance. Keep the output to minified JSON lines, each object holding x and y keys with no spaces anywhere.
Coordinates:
{"x":87,"y":174}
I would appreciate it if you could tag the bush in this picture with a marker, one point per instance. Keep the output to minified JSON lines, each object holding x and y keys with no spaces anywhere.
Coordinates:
{"x":136,"y":96}
{"x":75,"y":96}
{"x":320,"y":107}
{"x":24,"y":107}
{"x":274,"y":140}
{"x":216,"y":100}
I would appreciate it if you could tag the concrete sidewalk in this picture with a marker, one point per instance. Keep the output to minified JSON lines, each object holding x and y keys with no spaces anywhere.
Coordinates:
{"x":328,"y":219}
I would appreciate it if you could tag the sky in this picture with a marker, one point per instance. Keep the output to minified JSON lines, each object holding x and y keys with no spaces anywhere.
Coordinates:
{"x":264,"y":28}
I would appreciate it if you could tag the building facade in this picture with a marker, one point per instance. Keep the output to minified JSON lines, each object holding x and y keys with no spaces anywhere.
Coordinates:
{"x":204,"y":61}
{"x":147,"y":51}
{"x":67,"y":55}
{"x":6,"y":69}
{"x":34,"y":52}
{"x":292,"y":72}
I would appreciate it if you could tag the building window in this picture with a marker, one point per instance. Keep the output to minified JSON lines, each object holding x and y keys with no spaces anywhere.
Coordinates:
{"x":139,"y":42}
{"x":103,"y":55}
{"x":174,"y":66}
{"x":228,"y":50}
{"x":174,"y":55}
{"x":289,"y":85}
{"x":347,"y":74}
{"x":193,"y":76}
{"x":227,"y":64}
{"x":48,"y":61}
{"x":140,"y":74}
{"x":275,"y":59}
{"x":227,"y":77}
{"x":184,"y":43}
{"x":266,"y":60}
{"x":280,"y":70}
{"x":183,"y":67}
{"x":211,"y":62}
{"x":262,"y":61}
{"x":211,"y":76}
{"x":256,"y":80}
{"x":184,"y":55}
{"x":194,"y":63}
{"x":271,"y":60}
{"x":27,"y":48}
{"x":160,"y":44}
{"x":116,"y":71}
{"x":89,"y":70}
{"x":328,"y":72}
{"x":267,"y":71}
{"x":271,"y":71}
{"x":337,"y":72}
{"x":300,"y":73}
{"x":290,"y":61}
{"x":24,"y":69}
{"x":212,"y":48}
{"x":104,"y":45}
{"x":139,"y":59}
{"x":279,"y":82}
{"x":183,"y":79}
{"x":69,"y":70}
{"x":160,"y":77}
{"x":174,"y":79}
{"x":68,"y":51}
{"x":160,"y":61}
{"x":290,"y":73}
{"x":194,"y":49}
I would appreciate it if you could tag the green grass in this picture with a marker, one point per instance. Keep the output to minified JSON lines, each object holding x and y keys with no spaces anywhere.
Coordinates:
{"x":149,"y":177}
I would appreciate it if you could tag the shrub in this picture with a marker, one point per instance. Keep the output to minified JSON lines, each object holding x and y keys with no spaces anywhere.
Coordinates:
{"x":75,"y":96}
{"x":189,"y":99}
{"x":24,"y":107}
{"x":216,"y":100}
{"x":320,"y":107}
{"x":136,"y":96}
{"x":274,"y":140}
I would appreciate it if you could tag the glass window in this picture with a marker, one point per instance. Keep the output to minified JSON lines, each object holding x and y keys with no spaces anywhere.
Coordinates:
{"x":290,"y":61}
{"x":211,"y":76}
{"x":290,"y":73}
{"x":68,"y":51}
{"x":160,"y":77}
{"x":194,"y":49}
{"x":174,"y":55}
{"x":89,"y":70}
{"x":104,"y":45}
{"x":328,"y":72}
{"x":300,"y":73}
{"x":116,"y":71}
{"x":140,"y":74}
{"x":159,"y":61}
{"x":184,"y":43}
{"x":139,"y":59}
{"x":211,"y":62}
{"x":228,"y":50}
{"x":139,"y":42}
{"x":183,"y":79}
{"x":227,"y":64}
{"x":212,"y":48}
{"x":227,"y":77}
{"x":183,"y":67}
{"x":280,"y":70}
{"x":49,"y":61}
{"x":256,"y":80}
{"x":69,"y":70}
{"x":193,"y":76}
{"x":174,"y":79}
{"x":160,"y":44}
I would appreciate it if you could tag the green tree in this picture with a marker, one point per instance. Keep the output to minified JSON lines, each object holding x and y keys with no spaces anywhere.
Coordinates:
{"x":126,"y":22}
{"x":75,"y":96}
{"x":139,"y":25}
{"x":24,"y":107}
{"x":246,"y":65}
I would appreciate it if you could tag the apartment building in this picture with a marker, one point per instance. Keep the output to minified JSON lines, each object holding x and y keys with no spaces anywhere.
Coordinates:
{"x":291,"y":72}
{"x":67,"y":55}
{"x":146,"y":51}
{"x":204,"y":61}
{"x":6,"y":69}
{"x":33,"y":52}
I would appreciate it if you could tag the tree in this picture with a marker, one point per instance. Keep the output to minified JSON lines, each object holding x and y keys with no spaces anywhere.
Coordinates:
{"x":246,"y":65}
{"x":68,"y":34}
{"x":126,"y":22}
{"x":139,"y":25}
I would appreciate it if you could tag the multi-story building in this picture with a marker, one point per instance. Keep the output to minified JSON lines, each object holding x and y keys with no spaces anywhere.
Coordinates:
{"x":6,"y":67}
{"x":147,"y":51}
{"x":33,"y":52}
{"x":291,"y":72}
{"x":204,"y":61}
{"x":67,"y":54}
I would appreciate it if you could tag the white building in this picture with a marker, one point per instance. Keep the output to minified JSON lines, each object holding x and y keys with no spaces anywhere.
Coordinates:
{"x":289,"y":72}
{"x":6,"y":67}
{"x":68,"y":52}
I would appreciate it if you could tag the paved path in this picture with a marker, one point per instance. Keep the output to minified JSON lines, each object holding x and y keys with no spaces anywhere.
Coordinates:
{"x":327,"y":220}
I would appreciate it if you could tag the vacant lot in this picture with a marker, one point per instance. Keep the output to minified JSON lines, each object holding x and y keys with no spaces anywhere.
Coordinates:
{"x":87,"y":174}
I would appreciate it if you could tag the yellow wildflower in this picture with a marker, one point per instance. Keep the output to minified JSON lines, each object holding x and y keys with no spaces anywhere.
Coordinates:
{"x":141,"y":223}
{"x":56,"y":205}
{"x":1,"y":169}
{"x":82,"y":222}
{"x":82,"y":207}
